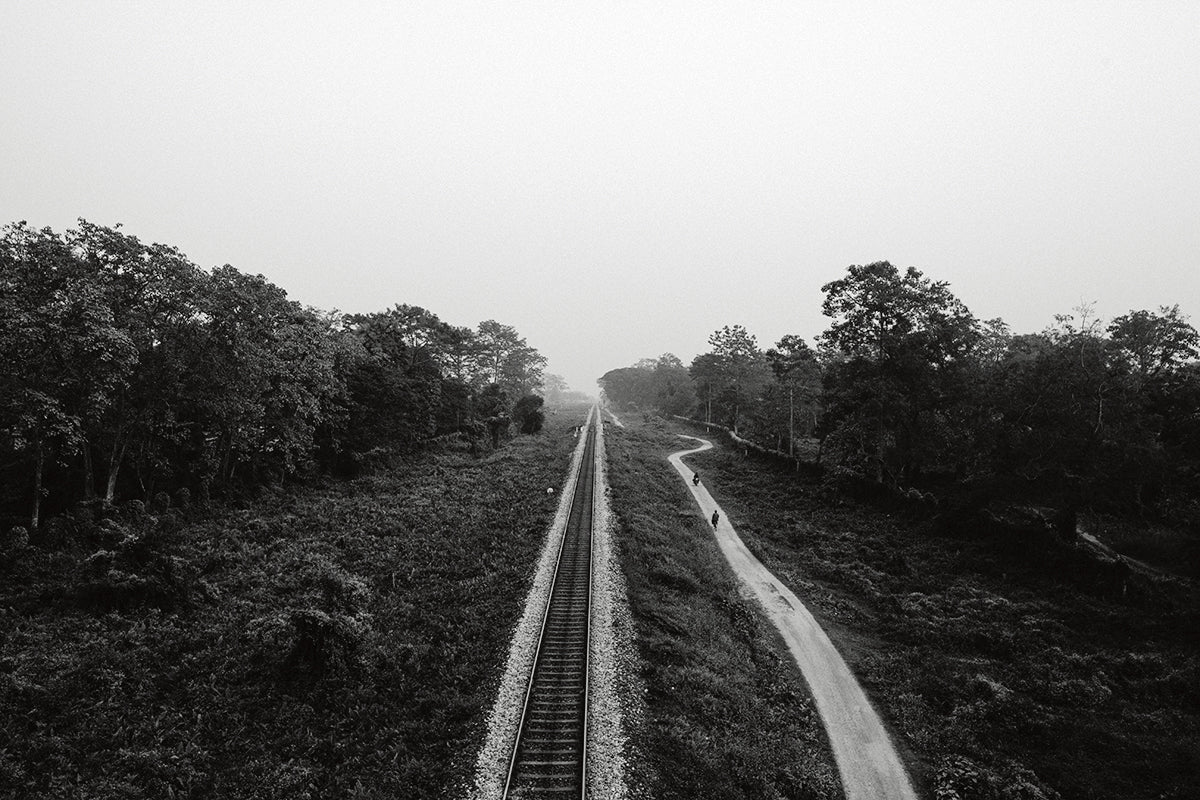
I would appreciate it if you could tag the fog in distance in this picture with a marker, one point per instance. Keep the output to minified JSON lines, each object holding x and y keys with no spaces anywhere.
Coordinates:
{"x":617,"y":180}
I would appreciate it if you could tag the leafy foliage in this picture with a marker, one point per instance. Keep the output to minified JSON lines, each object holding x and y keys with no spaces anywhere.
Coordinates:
{"x":340,"y":641}
{"x":1009,"y":665}
{"x":528,"y":414}
{"x":662,"y":383}
{"x":130,"y":371}
{"x":908,"y":390}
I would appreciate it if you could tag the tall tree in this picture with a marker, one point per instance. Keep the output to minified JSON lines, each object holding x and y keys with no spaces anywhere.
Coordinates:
{"x":742,"y":369}
{"x":898,"y":346}
{"x":63,"y":358}
{"x":152,"y":292}
{"x":1150,"y":344}
{"x":508,"y":360}
{"x":708,"y":381}
{"x":554,"y":387}
{"x":260,"y":369}
{"x":797,"y":373}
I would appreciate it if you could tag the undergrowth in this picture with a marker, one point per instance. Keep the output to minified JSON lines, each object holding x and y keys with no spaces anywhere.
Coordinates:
{"x":1005,"y":671}
{"x":340,"y":641}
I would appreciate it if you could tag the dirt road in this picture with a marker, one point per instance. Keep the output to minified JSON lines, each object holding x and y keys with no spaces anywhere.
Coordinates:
{"x":866,"y":759}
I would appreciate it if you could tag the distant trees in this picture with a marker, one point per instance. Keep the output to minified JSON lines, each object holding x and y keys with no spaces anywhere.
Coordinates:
{"x":906,"y":387}
{"x":662,"y":383}
{"x":505,"y":359}
{"x":1094,"y":416}
{"x":129,"y":370}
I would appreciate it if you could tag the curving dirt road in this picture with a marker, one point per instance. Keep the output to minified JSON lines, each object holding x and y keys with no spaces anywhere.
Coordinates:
{"x":866,"y":759}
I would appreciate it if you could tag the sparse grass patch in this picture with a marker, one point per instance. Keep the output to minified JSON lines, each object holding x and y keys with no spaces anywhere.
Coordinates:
{"x":728,"y":715}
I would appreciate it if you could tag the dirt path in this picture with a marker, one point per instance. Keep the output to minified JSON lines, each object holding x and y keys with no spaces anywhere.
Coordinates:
{"x":866,"y":759}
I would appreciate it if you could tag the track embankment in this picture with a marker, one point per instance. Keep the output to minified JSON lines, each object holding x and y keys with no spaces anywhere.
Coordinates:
{"x":553,"y":732}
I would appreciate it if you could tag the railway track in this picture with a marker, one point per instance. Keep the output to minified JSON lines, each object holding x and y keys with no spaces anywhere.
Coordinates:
{"x":549,"y":757}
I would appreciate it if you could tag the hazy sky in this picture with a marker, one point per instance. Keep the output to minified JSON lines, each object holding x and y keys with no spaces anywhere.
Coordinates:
{"x":617,"y":180}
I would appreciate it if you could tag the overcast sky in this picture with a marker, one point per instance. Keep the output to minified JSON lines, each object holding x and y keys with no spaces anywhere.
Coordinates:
{"x":618,"y":180}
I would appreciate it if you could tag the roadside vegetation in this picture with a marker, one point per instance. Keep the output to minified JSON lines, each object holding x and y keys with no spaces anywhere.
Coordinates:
{"x":1008,"y":665}
{"x":1001,"y":530}
{"x":342,"y":639}
{"x":728,"y":714}
{"x":907,"y":394}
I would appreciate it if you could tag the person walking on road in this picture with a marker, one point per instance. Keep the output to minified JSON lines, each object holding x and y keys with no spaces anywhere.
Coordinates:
{"x":716,"y":516}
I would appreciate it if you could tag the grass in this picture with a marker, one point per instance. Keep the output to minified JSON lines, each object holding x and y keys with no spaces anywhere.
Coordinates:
{"x":341,"y":641}
{"x":1004,"y":671}
{"x":346,"y":641}
{"x":727,"y":713}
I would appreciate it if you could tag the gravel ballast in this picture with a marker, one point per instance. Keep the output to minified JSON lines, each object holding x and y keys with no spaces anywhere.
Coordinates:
{"x":610,"y":651}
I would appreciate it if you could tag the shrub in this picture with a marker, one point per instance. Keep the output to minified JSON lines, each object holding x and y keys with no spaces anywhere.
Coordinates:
{"x":528,"y":414}
{"x":17,"y":539}
{"x":326,"y":629}
{"x":160,"y":503}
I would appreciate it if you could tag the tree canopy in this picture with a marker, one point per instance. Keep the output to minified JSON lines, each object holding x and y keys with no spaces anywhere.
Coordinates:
{"x":130,"y":370}
{"x":906,"y":387}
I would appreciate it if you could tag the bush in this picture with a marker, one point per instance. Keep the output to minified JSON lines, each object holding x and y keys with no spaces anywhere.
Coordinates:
{"x":17,"y":539}
{"x":326,"y":629}
{"x":528,"y":414}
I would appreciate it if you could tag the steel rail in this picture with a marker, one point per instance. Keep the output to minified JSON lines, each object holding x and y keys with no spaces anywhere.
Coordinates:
{"x":549,"y":757}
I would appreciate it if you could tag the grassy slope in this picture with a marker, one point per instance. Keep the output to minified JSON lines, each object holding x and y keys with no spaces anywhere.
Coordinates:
{"x":1004,"y":677}
{"x":197,"y":701}
{"x":728,"y":715}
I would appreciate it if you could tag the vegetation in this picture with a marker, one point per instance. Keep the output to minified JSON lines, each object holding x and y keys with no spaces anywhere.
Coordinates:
{"x":1009,"y":664}
{"x":728,"y":715}
{"x":250,"y":549}
{"x":340,"y":641}
{"x":130,"y":371}
{"x":930,"y":483}
{"x":908,"y":391}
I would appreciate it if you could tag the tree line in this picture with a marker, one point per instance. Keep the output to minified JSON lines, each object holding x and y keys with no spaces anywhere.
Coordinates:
{"x":907,"y":388}
{"x":129,"y":371}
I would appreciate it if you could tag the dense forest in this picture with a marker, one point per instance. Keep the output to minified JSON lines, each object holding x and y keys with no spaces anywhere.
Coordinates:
{"x":908,"y":393}
{"x":132,"y":374}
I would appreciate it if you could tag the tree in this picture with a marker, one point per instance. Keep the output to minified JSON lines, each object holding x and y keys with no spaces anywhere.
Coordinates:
{"x":1149,"y":345}
{"x":659,"y":383}
{"x":506,"y":359}
{"x":260,"y":371}
{"x":527,"y":413}
{"x":554,"y":387}
{"x":740,"y":367}
{"x":397,"y":388}
{"x":797,"y":372}
{"x":673,"y":392}
{"x":897,"y":349}
{"x":152,"y":292}
{"x":493,"y":410}
{"x":707,"y":380}
{"x":63,"y":358}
